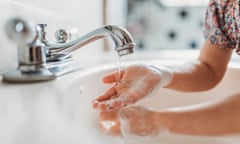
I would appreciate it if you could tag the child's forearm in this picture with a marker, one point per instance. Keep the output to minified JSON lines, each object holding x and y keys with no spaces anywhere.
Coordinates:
{"x":203,"y":73}
{"x":212,"y":119}
{"x":195,"y":76}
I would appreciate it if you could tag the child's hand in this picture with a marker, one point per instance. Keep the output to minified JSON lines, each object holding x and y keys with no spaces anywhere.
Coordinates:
{"x":131,"y":122}
{"x":109,"y":122}
{"x":131,"y":85}
{"x":139,"y":122}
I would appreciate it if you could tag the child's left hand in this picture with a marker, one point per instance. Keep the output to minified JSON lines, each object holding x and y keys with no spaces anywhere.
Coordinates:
{"x":130,"y":122}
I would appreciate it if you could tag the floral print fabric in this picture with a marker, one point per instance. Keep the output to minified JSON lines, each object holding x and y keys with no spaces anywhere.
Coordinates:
{"x":222,"y":23}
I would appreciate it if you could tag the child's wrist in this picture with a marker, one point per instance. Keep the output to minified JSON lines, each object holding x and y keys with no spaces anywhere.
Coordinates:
{"x":166,"y":75}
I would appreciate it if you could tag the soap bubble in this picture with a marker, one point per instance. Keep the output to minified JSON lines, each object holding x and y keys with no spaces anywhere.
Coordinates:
{"x":146,"y":131}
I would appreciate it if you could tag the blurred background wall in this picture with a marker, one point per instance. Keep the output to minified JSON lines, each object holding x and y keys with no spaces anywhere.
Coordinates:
{"x":83,"y":15}
{"x":154,"y":24}
{"x":160,"y":24}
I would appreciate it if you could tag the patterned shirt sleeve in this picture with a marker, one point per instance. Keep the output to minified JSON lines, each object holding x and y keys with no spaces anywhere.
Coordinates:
{"x":219,"y":26}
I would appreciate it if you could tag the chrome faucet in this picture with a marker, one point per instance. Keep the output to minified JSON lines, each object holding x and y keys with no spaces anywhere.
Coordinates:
{"x":41,"y":60}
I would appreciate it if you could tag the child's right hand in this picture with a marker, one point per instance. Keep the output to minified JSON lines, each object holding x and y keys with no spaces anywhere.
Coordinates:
{"x":134,"y":83}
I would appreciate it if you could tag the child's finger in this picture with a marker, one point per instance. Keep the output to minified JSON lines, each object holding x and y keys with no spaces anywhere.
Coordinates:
{"x":113,"y":77}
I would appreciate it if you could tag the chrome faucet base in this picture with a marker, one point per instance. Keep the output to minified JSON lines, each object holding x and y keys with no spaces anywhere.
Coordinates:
{"x":64,"y":67}
{"x":51,"y":72}
{"x":17,"y":76}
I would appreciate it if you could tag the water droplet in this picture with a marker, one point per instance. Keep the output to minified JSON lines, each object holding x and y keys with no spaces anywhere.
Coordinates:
{"x":81,"y":89}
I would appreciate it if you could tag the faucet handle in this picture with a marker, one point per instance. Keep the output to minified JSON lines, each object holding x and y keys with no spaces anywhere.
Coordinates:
{"x":64,"y":35}
{"x":20,"y":30}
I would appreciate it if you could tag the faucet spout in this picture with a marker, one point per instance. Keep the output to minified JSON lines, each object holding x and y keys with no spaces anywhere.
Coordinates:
{"x":121,"y":38}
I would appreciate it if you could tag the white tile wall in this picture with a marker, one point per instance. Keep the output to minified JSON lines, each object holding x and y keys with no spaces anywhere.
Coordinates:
{"x":81,"y":14}
{"x":187,"y":30}
{"x":151,"y":25}
{"x":117,"y":12}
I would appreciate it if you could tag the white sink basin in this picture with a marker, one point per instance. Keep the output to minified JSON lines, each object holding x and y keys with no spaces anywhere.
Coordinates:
{"x":60,"y":111}
{"x":77,"y":96}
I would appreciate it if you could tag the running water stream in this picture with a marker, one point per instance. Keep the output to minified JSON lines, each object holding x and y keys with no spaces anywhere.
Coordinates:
{"x":119,"y":68}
